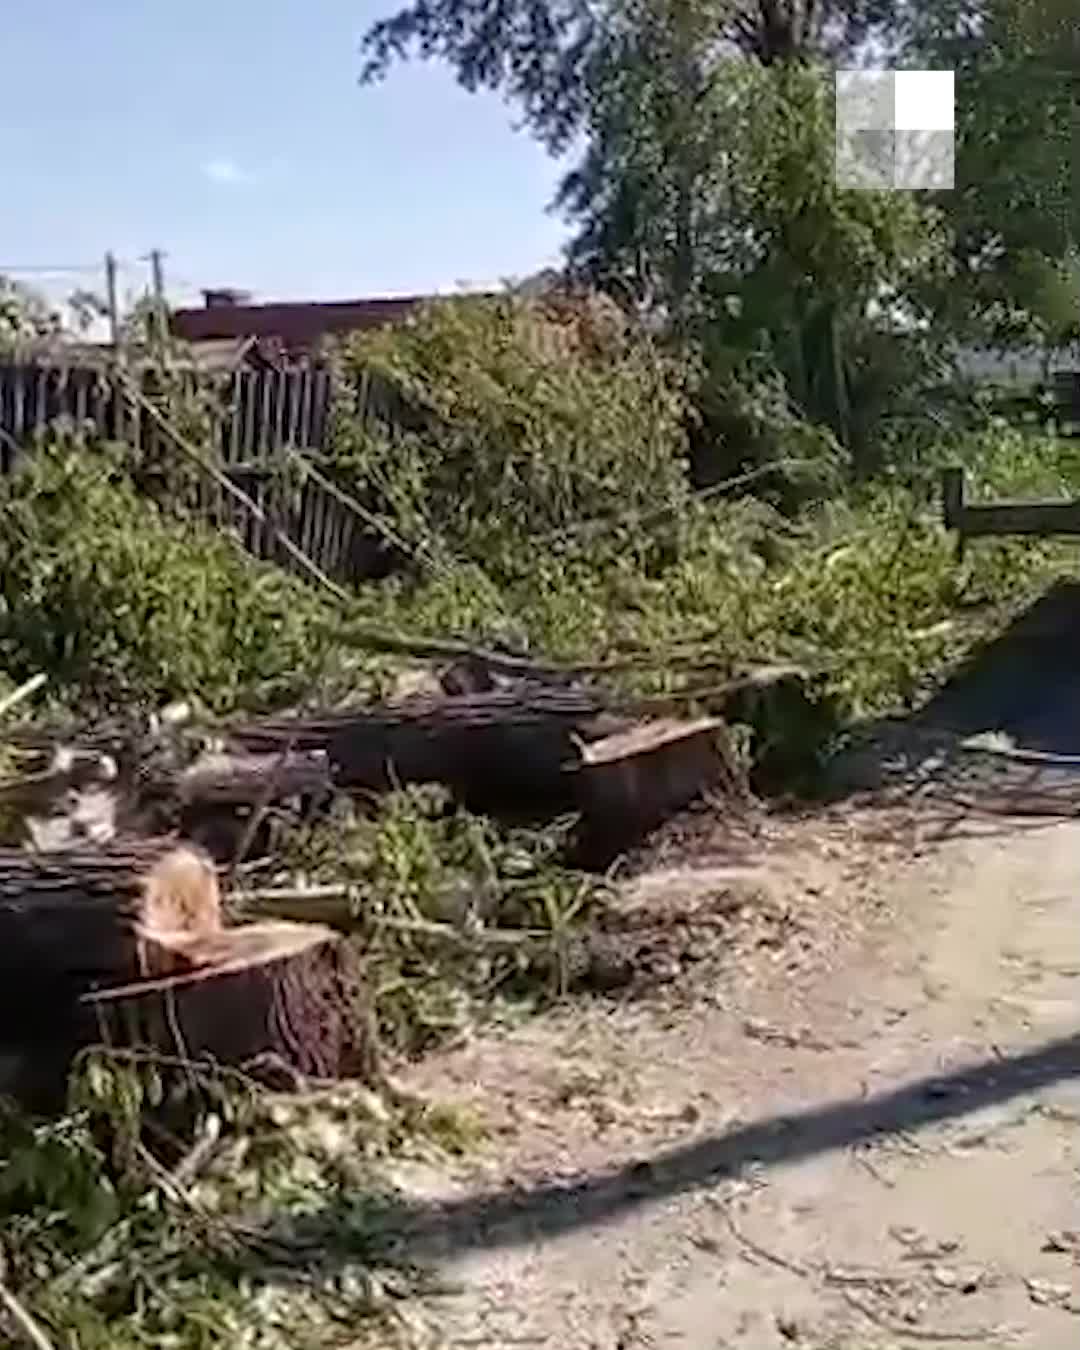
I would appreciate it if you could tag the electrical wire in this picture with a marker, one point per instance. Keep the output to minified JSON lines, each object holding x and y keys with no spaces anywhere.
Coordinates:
{"x":40,"y":269}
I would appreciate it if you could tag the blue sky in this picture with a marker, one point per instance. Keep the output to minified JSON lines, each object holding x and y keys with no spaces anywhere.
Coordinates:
{"x":235,"y":136}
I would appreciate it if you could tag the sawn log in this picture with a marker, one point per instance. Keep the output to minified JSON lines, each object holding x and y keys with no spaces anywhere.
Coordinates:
{"x":70,"y":921}
{"x":502,"y":749}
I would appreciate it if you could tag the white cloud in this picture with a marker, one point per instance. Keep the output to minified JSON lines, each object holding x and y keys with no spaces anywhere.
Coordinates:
{"x":227,"y":171}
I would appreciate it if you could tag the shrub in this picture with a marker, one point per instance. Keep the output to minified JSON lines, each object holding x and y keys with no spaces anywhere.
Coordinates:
{"x":529,"y":423}
{"x":866,"y":587}
{"x":116,"y":602}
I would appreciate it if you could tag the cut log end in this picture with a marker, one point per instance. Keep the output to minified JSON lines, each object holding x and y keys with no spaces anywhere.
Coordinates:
{"x":180,"y":894}
{"x":627,"y":784}
{"x":74,"y":921}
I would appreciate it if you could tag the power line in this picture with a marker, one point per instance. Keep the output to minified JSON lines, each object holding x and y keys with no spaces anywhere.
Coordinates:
{"x":40,"y":269}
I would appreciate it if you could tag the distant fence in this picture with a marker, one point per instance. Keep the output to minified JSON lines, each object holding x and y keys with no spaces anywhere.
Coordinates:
{"x":264,"y":410}
{"x":264,"y":413}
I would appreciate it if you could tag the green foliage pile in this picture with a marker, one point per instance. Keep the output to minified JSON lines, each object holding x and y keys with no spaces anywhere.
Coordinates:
{"x":116,"y":602}
{"x":425,"y":873}
{"x":268,"y":1240}
{"x":531,"y":421}
{"x":869,"y":593}
{"x":543,"y":493}
{"x":864,"y":585}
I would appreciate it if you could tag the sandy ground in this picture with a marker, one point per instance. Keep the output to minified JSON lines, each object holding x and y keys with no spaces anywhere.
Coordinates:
{"x":857,"y":1128}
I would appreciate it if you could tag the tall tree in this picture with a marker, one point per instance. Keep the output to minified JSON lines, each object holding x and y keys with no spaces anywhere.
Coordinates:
{"x":715,"y":197}
{"x":546,"y":55}
{"x":706,"y":189}
{"x":1015,"y":210}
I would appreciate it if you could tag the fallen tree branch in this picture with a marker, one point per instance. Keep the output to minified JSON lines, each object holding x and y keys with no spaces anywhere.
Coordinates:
{"x":24,"y":1324}
{"x":370,"y":518}
{"x":639,"y":518}
{"x":300,"y":903}
{"x":379,"y":639}
{"x":180,"y":441}
{"x":450,"y":649}
{"x":24,"y":691}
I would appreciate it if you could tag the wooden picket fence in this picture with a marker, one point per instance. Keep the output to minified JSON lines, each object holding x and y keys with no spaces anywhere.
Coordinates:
{"x":264,"y":409}
{"x":267,"y":416}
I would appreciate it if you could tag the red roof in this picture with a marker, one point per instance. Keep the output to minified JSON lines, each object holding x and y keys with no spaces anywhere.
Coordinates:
{"x":295,"y":324}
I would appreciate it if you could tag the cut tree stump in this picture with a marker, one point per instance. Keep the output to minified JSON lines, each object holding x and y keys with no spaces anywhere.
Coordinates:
{"x":274,"y":999}
{"x":627,"y":784}
{"x":503,"y":749}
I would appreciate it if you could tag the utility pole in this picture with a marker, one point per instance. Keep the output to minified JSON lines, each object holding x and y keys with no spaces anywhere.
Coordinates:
{"x":157,"y":273}
{"x":111,"y":300}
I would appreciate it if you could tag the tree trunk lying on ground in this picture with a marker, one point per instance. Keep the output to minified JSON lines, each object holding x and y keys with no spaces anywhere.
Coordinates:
{"x":246,"y":780}
{"x":75,"y":919}
{"x":212,"y":801}
{"x":82,"y":800}
{"x":278,"y":1000}
{"x":506,"y":748}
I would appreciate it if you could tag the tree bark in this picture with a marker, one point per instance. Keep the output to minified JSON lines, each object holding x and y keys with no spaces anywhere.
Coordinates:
{"x":500,"y":749}
{"x":77,"y":919}
{"x":277,"y":1000}
{"x":72,"y":922}
{"x":630,"y":783}
{"x":245,"y":780}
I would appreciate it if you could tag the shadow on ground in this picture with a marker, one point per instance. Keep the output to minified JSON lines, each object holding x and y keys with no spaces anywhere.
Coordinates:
{"x":520,"y":1215}
{"x":1025,"y":684}
{"x":1024,"y":688}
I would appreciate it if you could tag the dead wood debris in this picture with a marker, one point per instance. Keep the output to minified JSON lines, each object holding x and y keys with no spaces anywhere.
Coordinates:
{"x":109,"y":891}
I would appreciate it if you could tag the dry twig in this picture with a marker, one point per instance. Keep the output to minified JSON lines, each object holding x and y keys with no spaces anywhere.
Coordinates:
{"x":273,"y":899}
{"x":836,"y":1279}
{"x":935,"y":1335}
{"x":24,"y":691}
{"x":20,"y":1318}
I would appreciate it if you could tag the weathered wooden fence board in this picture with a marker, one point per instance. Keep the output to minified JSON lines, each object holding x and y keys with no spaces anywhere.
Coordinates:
{"x":972,"y":520}
{"x":264,"y":412}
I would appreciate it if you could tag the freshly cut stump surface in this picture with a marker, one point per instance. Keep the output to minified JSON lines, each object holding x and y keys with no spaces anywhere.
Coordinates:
{"x":279,"y":1000}
{"x":630,"y":782}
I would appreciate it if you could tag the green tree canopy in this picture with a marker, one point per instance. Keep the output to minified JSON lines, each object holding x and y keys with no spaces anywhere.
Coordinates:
{"x":1015,"y":211}
{"x":546,"y":55}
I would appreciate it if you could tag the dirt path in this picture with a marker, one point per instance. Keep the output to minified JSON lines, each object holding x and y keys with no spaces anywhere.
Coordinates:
{"x":865,"y":1135}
